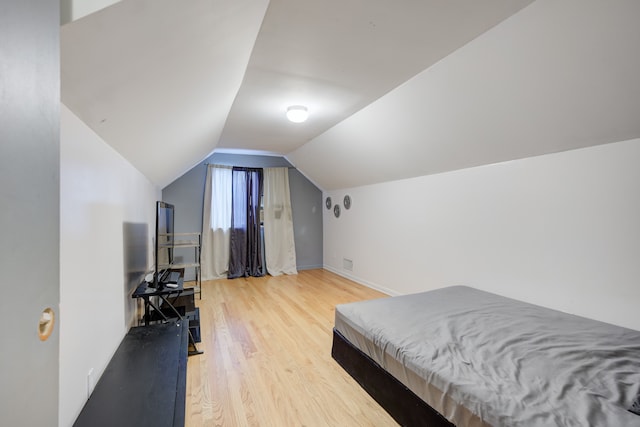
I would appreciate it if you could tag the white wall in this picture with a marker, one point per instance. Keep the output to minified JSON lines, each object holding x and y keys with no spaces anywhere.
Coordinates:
{"x":102,"y":198}
{"x":560,"y":230}
{"x":70,"y":10}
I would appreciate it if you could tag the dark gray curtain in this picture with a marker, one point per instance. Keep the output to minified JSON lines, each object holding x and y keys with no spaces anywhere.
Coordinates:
{"x":245,"y":254}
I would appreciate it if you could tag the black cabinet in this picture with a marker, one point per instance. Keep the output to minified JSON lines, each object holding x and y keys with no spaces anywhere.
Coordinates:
{"x":145,"y":381}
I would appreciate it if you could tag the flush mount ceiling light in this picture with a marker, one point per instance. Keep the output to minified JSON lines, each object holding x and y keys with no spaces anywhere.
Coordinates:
{"x":297,"y":113}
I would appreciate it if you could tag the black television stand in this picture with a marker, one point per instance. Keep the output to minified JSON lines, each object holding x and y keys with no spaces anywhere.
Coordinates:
{"x":173,"y":300}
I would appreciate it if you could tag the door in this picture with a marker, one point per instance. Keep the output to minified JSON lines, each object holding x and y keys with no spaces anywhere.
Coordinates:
{"x":29,"y":211}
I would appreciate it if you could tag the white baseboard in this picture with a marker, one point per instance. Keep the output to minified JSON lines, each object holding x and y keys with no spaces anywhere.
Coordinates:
{"x":361,"y":281}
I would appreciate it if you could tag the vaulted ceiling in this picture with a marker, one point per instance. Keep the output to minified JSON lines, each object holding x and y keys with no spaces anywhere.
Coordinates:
{"x":394,"y":89}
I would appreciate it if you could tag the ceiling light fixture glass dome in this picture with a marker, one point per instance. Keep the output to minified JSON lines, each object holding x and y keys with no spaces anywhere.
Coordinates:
{"x":297,"y":113}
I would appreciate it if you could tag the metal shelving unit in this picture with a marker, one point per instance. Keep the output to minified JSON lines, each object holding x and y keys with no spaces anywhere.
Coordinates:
{"x":189,"y":240}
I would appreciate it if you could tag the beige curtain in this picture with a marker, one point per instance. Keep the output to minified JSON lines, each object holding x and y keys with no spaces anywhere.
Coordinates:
{"x":280,"y":250}
{"x":216,"y":223}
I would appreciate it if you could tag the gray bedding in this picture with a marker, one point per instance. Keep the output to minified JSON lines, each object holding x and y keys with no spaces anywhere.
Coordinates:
{"x":481,"y":359}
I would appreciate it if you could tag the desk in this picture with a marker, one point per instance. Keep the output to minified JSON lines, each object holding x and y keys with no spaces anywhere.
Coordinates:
{"x":145,"y":381}
{"x":145,"y":292}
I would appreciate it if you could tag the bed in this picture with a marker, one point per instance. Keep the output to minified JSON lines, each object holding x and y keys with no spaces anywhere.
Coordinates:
{"x":461,"y":356}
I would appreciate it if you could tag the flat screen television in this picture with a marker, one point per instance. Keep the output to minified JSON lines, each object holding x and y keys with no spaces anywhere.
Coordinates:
{"x":164,"y":241}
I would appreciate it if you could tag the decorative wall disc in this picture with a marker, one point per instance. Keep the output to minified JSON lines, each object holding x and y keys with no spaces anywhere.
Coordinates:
{"x":327,"y":202}
{"x":336,"y":210}
{"x":347,"y":202}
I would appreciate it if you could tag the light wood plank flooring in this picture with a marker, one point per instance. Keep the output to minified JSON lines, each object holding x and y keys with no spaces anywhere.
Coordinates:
{"x":267,"y":360}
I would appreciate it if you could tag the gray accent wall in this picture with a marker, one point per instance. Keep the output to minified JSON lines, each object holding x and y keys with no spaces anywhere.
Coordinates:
{"x":187,"y":192}
{"x":306,"y":200}
{"x":30,"y":213}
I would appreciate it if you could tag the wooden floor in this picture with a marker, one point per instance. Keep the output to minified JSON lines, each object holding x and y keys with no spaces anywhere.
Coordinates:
{"x":267,"y":360}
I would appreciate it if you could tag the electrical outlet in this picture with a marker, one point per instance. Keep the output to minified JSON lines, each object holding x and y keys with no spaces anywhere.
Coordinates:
{"x":347,"y":264}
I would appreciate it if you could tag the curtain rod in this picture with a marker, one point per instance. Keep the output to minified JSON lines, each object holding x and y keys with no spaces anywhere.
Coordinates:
{"x":260,"y":167}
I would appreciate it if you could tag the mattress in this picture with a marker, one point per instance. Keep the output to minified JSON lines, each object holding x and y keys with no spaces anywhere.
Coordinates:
{"x":485,"y":360}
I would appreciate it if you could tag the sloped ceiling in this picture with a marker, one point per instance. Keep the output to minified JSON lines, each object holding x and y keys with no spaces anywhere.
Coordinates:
{"x":554,"y":77}
{"x":336,"y":57}
{"x":155,"y":79}
{"x":394,"y":89}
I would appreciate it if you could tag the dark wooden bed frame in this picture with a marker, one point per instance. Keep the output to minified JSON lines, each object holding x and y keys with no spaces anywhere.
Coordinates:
{"x":400,"y":402}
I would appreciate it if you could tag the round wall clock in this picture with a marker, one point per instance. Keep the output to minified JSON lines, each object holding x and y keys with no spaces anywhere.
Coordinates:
{"x":347,"y":201}
{"x":336,"y":210}
{"x":327,"y":202}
